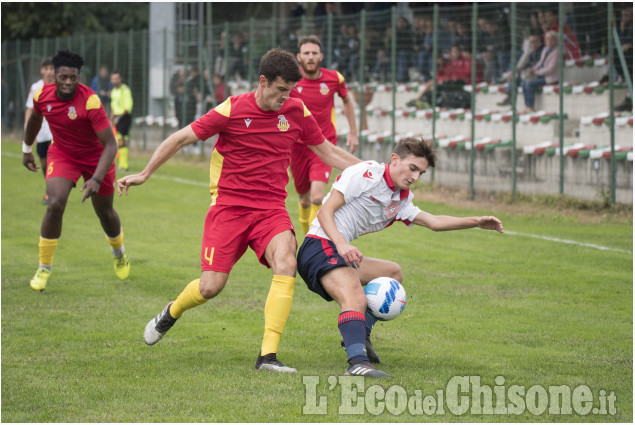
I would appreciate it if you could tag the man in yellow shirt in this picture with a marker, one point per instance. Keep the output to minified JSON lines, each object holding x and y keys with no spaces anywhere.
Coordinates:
{"x":120,"y":115}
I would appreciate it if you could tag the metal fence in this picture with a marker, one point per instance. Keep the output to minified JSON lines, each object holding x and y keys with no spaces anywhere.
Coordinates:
{"x":390,"y":59}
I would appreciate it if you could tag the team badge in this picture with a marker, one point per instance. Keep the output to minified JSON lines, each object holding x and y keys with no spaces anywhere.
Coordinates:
{"x":283,"y":124}
{"x":324,"y":89}
{"x":72,"y":114}
{"x":392,"y":209}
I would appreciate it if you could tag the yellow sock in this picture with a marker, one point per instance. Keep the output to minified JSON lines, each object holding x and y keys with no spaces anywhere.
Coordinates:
{"x":304,"y":217}
{"x":123,"y":157}
{"x":189,"y":298}
{"x":47,"y":250}
{"x":314,"y":211}
{"x":117,"y":242}
{"x":277,"y":309}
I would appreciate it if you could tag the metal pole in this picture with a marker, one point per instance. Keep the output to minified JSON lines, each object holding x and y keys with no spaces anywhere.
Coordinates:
{"x":98,"y":53}
{"x":210,"y":38}
{"x":611,"y":23}
{"x":201,"y":68}
{"x":513,"y":96}
{"x":561,"y":94}
{"x":250,"y":68}
{"x":361,"y":106}
{"x":329,"y":40}
{"x":115,"y":51}
{"x":274,"y":34}
{"x":393,"y":68}
{"x":165,"y":79}
{"x":435,"y":53}
{"x":185,"y":37}
{"x":130,"y":55}
{"x":226,"y":59}
{"x":473,"y":98}
{"x":144,"y":81}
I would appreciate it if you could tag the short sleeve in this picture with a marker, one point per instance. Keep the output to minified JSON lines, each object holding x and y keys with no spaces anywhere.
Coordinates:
{"x":357,"y":179}
{"x":214,"y":121}
{"x":311,"y":133}
{"x":342,"y":89}
{"x":408,"y":211}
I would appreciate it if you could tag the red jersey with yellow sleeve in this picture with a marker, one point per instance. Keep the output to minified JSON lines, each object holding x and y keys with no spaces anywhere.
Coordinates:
{"x":74,"y":123}
{"x":319,"y":96}
{"x":253,"y":150}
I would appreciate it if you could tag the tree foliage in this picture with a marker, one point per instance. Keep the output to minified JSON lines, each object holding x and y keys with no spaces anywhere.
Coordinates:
{"x":37,"y":20}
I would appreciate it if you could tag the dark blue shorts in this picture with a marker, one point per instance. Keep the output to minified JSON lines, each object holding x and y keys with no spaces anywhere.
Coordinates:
{"x":42,"y":149}
{"x":315,"y":258}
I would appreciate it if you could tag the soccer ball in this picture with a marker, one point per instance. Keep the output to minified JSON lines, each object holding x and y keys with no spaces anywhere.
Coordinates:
{"x":386,"y":298}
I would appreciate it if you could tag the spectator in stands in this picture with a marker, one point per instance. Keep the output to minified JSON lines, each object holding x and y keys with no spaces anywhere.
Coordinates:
{"x":462,"y":36}
{"x":381,"y":70}
{"x":102,"y":86}
{"x":405,"y":44}
{"x":486,"y":48}
{"x":529,"y":58}
{"x":571,"y":46}
{"x":452,"y":74}
{"x":347,"y":49}
{"x":219,"y":88}
{"x":423,"y":45}
{"x":626,"y":40}
{"x":545,"y":71}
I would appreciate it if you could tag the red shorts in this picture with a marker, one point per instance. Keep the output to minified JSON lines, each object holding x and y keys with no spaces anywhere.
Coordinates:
{"x":229,"y":230}
{"x":59,"y":165}
{"x":307,"y":167}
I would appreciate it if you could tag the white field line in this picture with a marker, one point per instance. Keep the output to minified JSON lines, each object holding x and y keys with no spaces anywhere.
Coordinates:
{"x":527,"y":235}
{"x":565,"y":241}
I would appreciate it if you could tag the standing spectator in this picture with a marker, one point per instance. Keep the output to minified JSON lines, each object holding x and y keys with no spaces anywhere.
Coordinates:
{"x":545,"y":71}
{"x":120,"y":115}
{"x":405,"y":46}
{"x":44,"y":137}
{"x":529,"y":58}
{"x":102,"y":86}
{"x":219,"y":88}
{"x":571,"y":46}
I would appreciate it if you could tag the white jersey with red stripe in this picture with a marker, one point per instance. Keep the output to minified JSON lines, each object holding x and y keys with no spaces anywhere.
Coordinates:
{"x":372,"y":202}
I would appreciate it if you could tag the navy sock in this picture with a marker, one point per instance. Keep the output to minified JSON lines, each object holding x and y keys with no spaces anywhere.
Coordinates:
{"x":370,"y":322}
{"x":353,"y":329}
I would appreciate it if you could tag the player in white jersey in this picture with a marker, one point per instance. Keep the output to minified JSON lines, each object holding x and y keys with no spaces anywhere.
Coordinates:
{"x":368,"y":197}
{"x":44,"y":137}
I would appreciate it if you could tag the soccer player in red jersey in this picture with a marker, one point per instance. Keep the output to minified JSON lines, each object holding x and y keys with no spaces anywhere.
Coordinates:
{"x":248,"y":177}
{"x":84,"y":145}
{"x":317,"y":90}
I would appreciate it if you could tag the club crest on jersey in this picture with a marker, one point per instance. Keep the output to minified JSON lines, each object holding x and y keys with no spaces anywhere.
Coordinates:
{"x":72,"y":114}
{"x":368,"y":174}
{"x":247,"y":122}
{"x":392,"y":209}
{"x":283,"y":124}
{"x":324,"y":89}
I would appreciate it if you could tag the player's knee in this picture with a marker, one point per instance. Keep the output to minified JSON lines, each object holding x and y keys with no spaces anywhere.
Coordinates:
{"x":209,"y":289}
{"x":55,"y":207}
{"x":285,"y":265}
{"x":396,"y":273}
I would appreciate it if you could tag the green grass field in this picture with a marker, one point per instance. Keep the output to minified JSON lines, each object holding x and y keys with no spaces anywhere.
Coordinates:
{"x":536,"y":312}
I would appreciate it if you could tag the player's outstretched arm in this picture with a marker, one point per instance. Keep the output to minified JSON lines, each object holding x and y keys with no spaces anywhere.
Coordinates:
{"x":165,"y":151}
{"x":31,"y":130}
{"x":334,"y":156}
{"x":326,"y":217}
{"x":440,"y":223}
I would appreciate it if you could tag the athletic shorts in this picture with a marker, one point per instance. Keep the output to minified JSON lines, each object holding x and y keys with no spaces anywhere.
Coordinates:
{"x":307,"y":167}
{"x":42,"y":149}
{"x":316,"y":257}
{"x":123,"y":125}
{"x":229,"y":230}
{"x":59,"y":165}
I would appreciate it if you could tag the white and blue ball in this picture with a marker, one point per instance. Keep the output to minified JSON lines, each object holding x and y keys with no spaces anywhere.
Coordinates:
{"x":386,"y":298}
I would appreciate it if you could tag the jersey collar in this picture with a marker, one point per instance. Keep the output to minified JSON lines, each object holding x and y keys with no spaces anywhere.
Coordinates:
{"x":403,"y":194}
